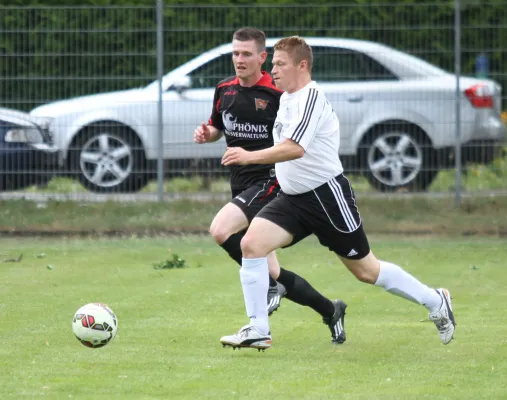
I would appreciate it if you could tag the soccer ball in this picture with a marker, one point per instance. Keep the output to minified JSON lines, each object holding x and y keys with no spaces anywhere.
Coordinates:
{"x":95,"y":325}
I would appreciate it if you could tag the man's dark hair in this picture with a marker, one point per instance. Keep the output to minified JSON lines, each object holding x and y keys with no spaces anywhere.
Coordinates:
{"x":246,"y":34}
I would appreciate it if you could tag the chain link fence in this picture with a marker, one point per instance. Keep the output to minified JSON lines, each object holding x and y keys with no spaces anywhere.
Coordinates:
{"x":85,"y":83}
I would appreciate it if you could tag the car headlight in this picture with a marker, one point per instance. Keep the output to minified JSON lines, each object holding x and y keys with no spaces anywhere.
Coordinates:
{"x":24,"y":135}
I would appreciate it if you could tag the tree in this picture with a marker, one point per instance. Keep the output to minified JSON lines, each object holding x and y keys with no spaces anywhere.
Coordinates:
{"x":51,"y":52}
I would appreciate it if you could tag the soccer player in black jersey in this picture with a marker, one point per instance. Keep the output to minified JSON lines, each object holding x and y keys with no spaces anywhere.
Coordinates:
{"x":244,"y":110}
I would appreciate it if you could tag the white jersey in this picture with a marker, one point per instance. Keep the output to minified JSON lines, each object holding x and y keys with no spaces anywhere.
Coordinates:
{"x":307,"y":118}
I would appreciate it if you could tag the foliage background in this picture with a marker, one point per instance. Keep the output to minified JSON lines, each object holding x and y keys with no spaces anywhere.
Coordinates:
{"x":49,"y":51}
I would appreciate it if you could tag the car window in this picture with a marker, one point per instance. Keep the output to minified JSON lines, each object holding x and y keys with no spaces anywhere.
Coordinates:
{"x":345,"y":65}
{"x":209,"y":74}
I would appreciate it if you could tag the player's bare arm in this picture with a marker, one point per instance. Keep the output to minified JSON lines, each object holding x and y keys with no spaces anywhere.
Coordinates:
{"x":206,"y":134}
{"x":284,"y":151}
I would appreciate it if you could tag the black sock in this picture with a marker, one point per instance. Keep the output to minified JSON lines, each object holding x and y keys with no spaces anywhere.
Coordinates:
{"x":301,"y":292}
{"x":233,"y":247}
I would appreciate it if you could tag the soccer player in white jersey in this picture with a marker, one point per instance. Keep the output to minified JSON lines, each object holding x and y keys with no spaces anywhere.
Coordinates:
{"x":250,"y":99}
{"x":316,"y":198}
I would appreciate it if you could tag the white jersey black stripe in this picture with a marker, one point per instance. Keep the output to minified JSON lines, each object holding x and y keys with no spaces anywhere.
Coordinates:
{"x":309,"y":107}
{"x":308,"y":119}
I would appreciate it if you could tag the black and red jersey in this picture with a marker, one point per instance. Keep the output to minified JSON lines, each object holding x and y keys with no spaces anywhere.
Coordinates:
{"x":246,"y":116}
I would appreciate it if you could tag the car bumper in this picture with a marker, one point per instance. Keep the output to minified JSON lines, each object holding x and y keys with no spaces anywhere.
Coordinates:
{"x":32,"y":157}
{"x":482,"y":141}
{"x":489,"y":126}
{"x":25,"y":165}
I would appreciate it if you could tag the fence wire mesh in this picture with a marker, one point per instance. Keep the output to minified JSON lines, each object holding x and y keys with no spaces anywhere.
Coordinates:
{"x":87,"y":77}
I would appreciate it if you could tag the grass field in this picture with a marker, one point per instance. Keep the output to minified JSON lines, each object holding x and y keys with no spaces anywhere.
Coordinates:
{"x":481,"y":215}
{"x":170,"y":322}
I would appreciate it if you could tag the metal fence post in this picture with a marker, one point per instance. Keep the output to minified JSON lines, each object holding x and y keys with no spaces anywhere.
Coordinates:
{"x":457,"y":66}
{"x":160,"y":72}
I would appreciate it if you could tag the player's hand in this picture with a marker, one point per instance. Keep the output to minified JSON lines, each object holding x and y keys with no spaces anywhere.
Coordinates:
{"x":235,"y":155}
{"x":202,"y":134}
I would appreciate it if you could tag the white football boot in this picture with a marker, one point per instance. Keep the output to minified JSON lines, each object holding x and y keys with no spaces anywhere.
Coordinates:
{"x":248,"y":336}
{"x":444,"y":318}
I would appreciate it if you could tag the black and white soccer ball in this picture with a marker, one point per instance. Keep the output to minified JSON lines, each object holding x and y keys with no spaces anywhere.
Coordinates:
{"x":95,"y":325}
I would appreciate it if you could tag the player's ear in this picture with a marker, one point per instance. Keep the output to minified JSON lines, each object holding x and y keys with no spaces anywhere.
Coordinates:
{"x":264,"y":55}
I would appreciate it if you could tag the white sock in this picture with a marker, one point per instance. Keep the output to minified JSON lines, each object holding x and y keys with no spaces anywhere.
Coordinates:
{"x":254,"y":275}
{"x":400,"y":283}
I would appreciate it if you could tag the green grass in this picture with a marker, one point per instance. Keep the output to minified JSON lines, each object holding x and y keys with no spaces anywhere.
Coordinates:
{"x":170,"y":322}
{"x":477,"y":177}
{"x":176,"y":185}
{"x":380,"y":215}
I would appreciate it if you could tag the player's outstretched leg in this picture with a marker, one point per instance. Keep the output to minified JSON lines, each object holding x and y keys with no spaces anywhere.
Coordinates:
{"x":444,"y":317}
{"x":399,"y":282}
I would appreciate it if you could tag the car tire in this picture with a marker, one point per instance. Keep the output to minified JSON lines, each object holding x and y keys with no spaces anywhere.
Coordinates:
{"x":109,"y":158}
{"x":398,"y":157}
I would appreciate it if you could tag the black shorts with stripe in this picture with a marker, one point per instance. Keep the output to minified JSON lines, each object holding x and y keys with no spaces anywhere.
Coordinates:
{"x":329,"y":212}
{"x":252,"y":199}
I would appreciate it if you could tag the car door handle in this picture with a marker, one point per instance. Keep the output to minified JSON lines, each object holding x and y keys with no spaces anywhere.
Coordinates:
{"x":354,"y":98}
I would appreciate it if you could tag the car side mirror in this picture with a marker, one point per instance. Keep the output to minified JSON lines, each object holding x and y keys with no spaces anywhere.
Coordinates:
{"x":182,"y":83}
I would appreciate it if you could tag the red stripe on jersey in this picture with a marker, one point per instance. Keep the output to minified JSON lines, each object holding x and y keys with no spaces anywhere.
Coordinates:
{"x":267,"y":81}
{"x":218,"y":105}
{"x":234,"y":81}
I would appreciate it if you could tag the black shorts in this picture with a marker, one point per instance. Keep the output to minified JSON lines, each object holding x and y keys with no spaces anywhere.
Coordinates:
{"x":329,"y":212}
{"x":252,"y":199}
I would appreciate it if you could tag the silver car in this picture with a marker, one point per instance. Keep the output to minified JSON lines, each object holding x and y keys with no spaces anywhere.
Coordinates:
{"x":397,"y":115}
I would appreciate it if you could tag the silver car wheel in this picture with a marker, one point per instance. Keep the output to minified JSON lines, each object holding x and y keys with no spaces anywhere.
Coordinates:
{"x":395,"y":159}
{"x":106,"y":160}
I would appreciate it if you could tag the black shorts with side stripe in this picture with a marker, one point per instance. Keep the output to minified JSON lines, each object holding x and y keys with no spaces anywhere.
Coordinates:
{"x":329,"y":212}
{"x":252,"y":199}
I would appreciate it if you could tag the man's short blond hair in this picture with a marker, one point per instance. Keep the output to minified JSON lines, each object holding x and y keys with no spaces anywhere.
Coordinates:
{"x":297,"y":48}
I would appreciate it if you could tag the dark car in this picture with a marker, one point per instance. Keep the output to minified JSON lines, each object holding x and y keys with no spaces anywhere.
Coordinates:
{"x":27,"y":153}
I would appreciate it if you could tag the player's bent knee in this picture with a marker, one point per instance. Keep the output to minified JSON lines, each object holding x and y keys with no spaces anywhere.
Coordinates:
{"x":251,"y":248}
{"x":365,"y":270}
{"x":365,"y":276}
{"x":219,"y":235}
{"x":362,"y":272}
